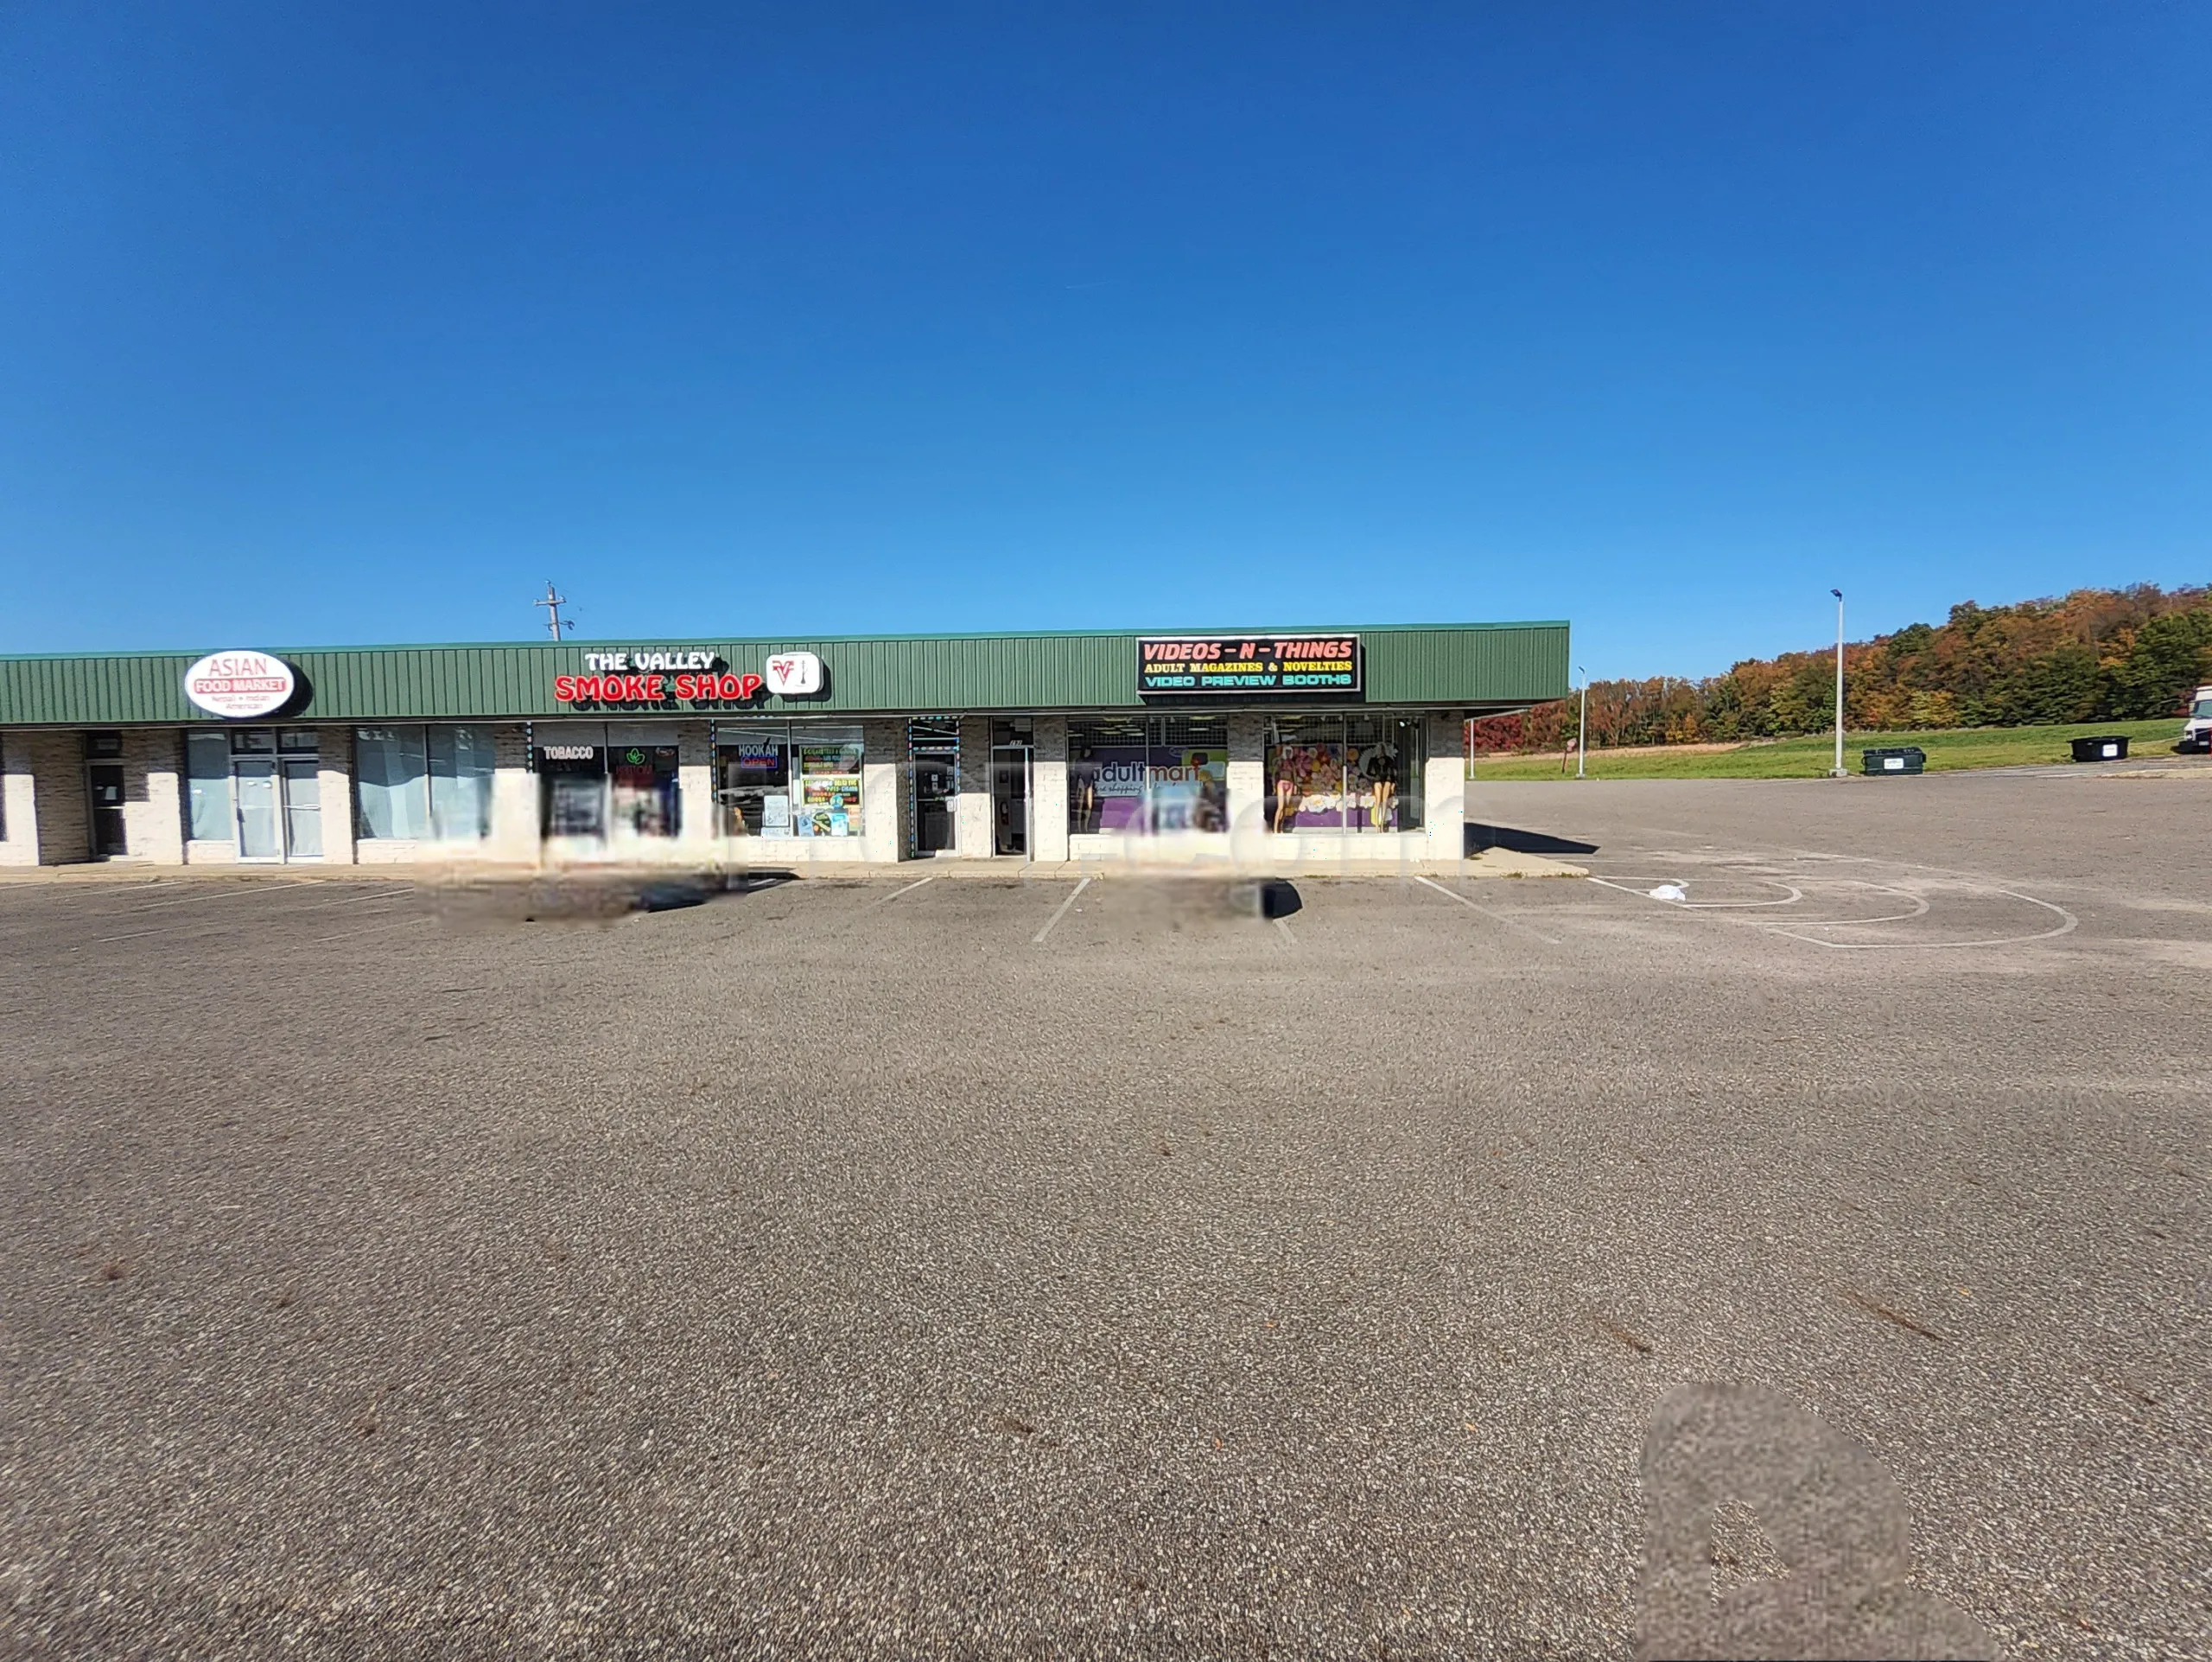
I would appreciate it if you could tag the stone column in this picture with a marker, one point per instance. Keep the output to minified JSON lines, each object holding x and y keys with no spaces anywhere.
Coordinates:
{"x":18,"y":803}
{"x":334,"y":775}
{"x":1048,"y":784}
{"x":974,"y":832}
{"x":514,"y":798}
{"x":1443,"y":786}
{"x":700,"y":834}
{"x":886,"y":804}
{"x":153,"y":805}
{"x":1248,"y":766}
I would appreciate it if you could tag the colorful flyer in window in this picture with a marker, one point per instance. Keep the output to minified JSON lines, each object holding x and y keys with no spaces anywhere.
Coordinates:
{"x":832,"y":805}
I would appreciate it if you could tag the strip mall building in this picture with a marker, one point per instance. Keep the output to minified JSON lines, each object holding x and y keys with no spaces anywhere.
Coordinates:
{"x":1285,"y":749}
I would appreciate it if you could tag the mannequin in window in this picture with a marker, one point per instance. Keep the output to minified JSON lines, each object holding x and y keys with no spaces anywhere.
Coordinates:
{"x":1086,"y":791}
{"x":1382,"y":770}
{"x":1286,"y":789}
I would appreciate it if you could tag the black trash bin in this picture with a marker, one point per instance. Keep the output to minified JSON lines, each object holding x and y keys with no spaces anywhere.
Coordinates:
{"x":1903,"y":759}
{"x":2110,"y":747}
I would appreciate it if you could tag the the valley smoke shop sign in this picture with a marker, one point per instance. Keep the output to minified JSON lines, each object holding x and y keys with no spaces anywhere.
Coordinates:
{"x":684,"y":675}
{"x":239,"y":683}
{"x":1237,"y":662}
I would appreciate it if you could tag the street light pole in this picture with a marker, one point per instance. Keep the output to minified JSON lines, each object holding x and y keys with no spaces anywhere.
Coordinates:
{"x":1582,"y":726}
{"x":1839,"y":772}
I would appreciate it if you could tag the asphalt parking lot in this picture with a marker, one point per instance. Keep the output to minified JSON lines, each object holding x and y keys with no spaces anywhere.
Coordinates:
{"x":946,"y":1265}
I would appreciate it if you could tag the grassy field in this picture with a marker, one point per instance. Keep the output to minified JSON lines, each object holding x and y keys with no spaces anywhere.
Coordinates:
{"x":1809,"y":758}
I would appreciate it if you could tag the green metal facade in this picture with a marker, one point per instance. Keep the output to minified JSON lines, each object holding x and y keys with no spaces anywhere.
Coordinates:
{"x":1473,"y":666}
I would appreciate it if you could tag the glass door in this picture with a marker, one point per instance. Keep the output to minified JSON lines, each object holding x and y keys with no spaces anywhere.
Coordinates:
{"x":105,"y":779}
{"x":1010,"y":798}
{"x":934,"y":744}
{"x":104,"y":794}
{"x":260,"y":836}
{"x":302,"y":810}
{"x":936,"y":785}
{"x":276,"y":792}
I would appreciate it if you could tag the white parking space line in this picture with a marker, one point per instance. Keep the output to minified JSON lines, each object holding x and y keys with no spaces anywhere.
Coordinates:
{"x":352,"y":900}
{"x":181,"y":900}
{"x":1495,"y":917}
{"x":908,"y":889}
{"x":1790,"y":925}
{"x":379,"y":929}
{"x":2066,"y":926}
{"x":1791,"y":894}
{"x":1038,"y":939}
{"x":1919,"y":910}
{"x":228,"y":891}
{"x":201,"y":926}
{"x":1288,"y":940}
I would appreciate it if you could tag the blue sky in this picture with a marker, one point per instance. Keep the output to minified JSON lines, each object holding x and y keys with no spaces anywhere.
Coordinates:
{"x":327,"y":324}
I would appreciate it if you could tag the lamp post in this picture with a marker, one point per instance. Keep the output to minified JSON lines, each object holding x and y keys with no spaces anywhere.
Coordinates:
{"x":1839,"y":772}
{"x":1582,"y":725}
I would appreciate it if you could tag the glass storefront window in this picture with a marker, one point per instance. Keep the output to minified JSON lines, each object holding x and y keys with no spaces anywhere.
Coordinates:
{"x":207,"y":770}
{"x":390,"y":768}
{"x":830,"y":787}
{"x":1343,"y":774}
{"x":461,"y":783}
{"x":422,"y":783}
{"x":788,"y":780}
{"x":753,"y":781}
{"x":644,"y":780}
{"x":572,"y":783}
{"x":1141,"y":775}
{"x":596,"y":782}
{"x":1105,"y":775}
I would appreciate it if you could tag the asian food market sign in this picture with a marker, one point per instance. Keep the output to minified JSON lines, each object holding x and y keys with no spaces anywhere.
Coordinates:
{"x":239,"y":683}
{"x":1254,"y":664}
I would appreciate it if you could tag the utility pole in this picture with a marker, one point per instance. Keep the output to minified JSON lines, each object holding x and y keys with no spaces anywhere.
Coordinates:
{"x":1839,"y":772}
{"x":1582,"y":727}
{"x":555,"y":622}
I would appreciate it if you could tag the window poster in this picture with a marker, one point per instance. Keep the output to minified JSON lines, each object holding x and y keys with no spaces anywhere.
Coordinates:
{"x":1137,"y":789}
{"x":829,"y":790}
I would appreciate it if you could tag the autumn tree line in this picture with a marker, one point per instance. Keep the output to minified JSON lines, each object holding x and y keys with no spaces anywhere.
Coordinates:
{"x":2097,"y":654}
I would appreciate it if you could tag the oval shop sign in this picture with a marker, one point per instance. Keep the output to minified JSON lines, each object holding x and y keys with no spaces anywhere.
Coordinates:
{"x":239,"y":683}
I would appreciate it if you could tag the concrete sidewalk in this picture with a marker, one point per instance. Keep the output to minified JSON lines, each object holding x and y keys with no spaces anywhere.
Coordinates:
{"x":1489,"y":862}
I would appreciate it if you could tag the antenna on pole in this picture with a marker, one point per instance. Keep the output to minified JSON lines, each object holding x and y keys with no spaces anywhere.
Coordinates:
{"x":553,"y":603}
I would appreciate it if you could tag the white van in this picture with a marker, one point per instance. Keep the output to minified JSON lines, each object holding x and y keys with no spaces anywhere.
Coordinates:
{"x":2197,"y":733}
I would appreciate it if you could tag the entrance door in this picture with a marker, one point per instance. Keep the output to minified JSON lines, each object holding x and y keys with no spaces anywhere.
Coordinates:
{"x":1010,"y":795}
{"x":105,"y":781}
{"x":302,"y":811}
{"x":260,"y":834}
{"x":936,"y":784}
{"x":935,"y":746}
